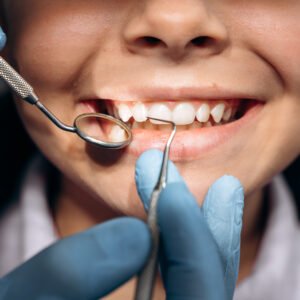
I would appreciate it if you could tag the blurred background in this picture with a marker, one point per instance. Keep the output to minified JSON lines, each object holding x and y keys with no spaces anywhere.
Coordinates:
{"x":16,"y":148}
{"x":2,"y":88}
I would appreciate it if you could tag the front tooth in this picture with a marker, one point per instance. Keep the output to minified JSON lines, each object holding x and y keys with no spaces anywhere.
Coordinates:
{"x":124,"y":112}
{"x":139,"y":112}
{"x":117,"y":134}
{"x":184,"y":114}
{"x":203,"y":113}
{"x":160,"y":111}
{"x":217,"y":112}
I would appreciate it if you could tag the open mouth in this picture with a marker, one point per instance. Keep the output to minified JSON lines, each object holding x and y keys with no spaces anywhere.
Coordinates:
{"x":191,"y":117}
{"x":185,"y":114}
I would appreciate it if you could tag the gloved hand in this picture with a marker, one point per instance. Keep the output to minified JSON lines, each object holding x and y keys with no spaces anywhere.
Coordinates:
{"x":91,"y":264}
{"x":86,"y":266}
{"x":2,"y":39}
{"x":200,"y":246}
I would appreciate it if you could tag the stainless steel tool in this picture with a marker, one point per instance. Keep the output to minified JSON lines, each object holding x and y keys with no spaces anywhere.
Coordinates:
{"x":146,"y":280}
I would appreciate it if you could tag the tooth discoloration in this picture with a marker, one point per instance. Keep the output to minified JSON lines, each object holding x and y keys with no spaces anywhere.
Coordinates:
{"x":117,"y":134}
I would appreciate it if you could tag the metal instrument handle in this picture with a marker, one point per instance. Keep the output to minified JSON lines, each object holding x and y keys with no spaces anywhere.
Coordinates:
{"x":145,"y":285}
{"x":17,"y":82}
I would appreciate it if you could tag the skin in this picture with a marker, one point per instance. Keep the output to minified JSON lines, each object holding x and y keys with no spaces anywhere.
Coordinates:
{"x":63,"y":48}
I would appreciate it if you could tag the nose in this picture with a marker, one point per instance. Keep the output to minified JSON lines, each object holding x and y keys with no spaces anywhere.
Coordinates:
{"x":174,"y":28}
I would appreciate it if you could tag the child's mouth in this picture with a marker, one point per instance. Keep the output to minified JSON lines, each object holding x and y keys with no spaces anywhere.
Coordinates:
{"x":201,"y":124}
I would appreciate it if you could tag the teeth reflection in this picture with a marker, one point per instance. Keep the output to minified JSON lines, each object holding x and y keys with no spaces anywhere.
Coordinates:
{"x":117,"y":134}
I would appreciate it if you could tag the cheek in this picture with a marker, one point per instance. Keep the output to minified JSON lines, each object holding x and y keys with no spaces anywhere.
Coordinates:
{"x":50,"y":52}
{"x":104,"y":175}
{"x":52,"y":141}
{"x":274,"y":37}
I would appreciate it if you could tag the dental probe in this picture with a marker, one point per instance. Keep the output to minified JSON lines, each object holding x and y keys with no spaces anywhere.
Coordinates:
{"x":24,"y":90}
{"x":146,"y":279}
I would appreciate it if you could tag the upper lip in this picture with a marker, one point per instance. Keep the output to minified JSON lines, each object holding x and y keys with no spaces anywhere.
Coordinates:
{"x":146,"y":93}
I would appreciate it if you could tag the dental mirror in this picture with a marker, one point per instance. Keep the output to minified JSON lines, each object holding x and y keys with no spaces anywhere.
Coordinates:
{"x":95,"y":128}
{"x":103,"y":130}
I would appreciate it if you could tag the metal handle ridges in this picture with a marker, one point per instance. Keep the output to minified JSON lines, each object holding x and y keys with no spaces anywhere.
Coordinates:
{"x":14,"y":80}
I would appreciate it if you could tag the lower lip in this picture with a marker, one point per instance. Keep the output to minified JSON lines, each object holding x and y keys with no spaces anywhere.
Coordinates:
{"x":193,"y":143}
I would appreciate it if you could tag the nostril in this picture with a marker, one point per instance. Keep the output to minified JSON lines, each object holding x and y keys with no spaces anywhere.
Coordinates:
{"x":201,"y":41}
{"x":149,"y":42}
{"x":152,"y":41}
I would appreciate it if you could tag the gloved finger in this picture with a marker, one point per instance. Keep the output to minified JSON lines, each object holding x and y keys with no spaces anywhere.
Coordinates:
{"x":2,"y":39}
{"x":223,"y":212}
{"x":147,"y":171}
{"x":192,"y":264}
{"x":85,"y":266}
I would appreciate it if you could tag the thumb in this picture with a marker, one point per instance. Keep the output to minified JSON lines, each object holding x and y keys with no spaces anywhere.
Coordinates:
{"x":88,"y":265}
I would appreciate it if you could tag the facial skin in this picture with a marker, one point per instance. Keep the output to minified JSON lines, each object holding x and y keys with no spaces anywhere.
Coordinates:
{"x":74,"y":50}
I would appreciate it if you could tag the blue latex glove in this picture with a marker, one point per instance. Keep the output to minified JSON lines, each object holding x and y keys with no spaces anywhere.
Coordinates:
{"x":86,"y":266}
{"x":2,"y":39}
{"x":200,"y":246}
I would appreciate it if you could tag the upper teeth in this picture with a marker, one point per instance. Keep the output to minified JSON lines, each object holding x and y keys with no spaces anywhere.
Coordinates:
{"x":125,"y":113}
{"x":160,"y":111}
{"x":218,"y":112}
{"x":183,"y":113}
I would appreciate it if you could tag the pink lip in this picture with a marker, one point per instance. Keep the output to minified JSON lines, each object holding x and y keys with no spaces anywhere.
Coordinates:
{"x":193,"y":143}
{"x":190,"y":93}
{"x":146,"y":93}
